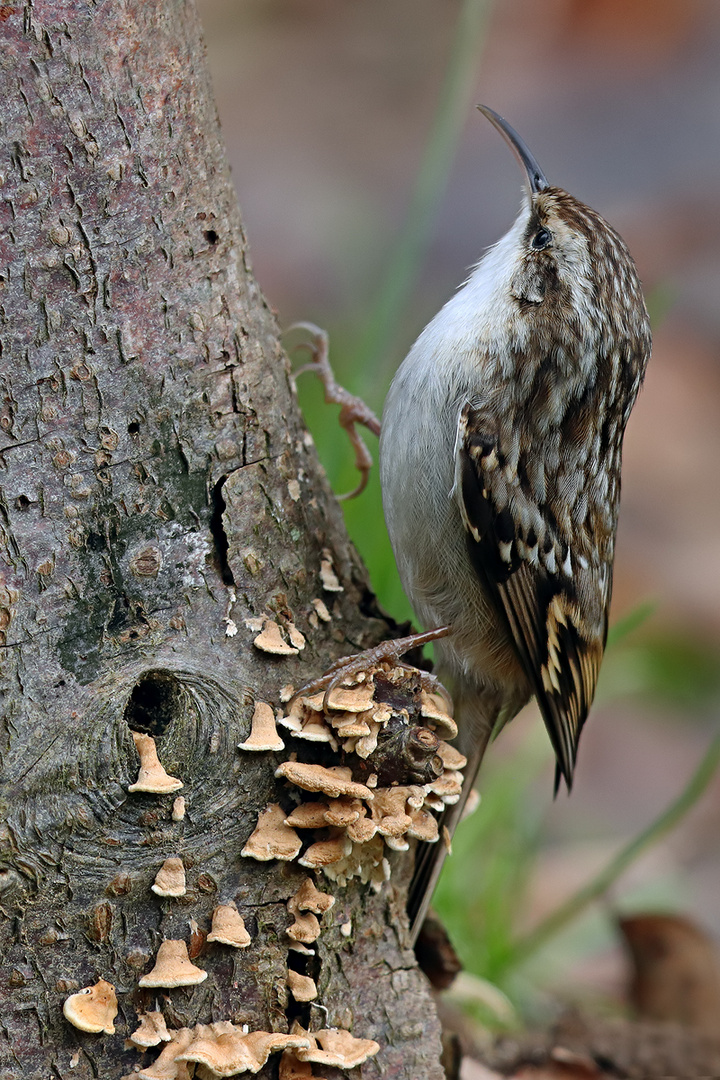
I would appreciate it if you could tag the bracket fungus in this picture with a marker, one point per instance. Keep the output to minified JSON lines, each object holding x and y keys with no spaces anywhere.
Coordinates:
{"x":328,"y":577}
{"x":336,"y":1047}
{"x":228,"y":927}
{"x":325,"y":852}
{"x":152,"y":776}
{"x":309,"y":898}
{"x":263,"y":733}
{"x":270,"y":640}
{"x":170,"y":879}
{"x":305,"y":929}
{"x":151,"y":1031}
{"x":226,"y":1050}
{"x":302,"y":987}
{"x":93,"y":1009}
{"x":272,"y":838}
{"x":334,"y":781}
{"x":178,"y":808}
{"x":173,"y":967}
{"x":397,"y":773}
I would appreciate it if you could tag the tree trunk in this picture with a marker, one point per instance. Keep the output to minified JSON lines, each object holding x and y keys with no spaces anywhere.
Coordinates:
{"x":157,"y":491}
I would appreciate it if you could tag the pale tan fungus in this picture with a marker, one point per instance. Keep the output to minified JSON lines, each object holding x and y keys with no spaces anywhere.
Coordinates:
{"x":353,"y":699}
{"x":346,"y":928}
{"x":298,"y":948}
{"x":473,"y":801}
{"x":451,"y":757}
{"x":151,"y":1031}
{"x":448,"y":787}
{"x":313,"y":729}
{"x":170,"y":879}
{"x":302,"y":987}
{"x":343,"y":811}
{"x":321,"y":610}
{"x":313,"y":702}
{"x":382,"y":713}
{"x":388,"y":811}
{"x":296,"y":638}
{"x":367,"y":745}
{"x":152,"y":776}
{"x":423,"y":826}
{"x":173,"y":967}
{"x":93,"y":1009}
{"x":227,"y":1052}
{"x":305,"y":929}
{"x":309,"y":898}
{"x":397,"y":843}
{"x":432,"y":708}
{"x":334,"y":781}
{"x":166,"y":1066}
{"x":339,"y":1049}
{"x":362,"y":830}
{"x":270,"y":640}
{"x":324,"y":852}
{"x":228,"y":927}
{"x":354,"y":726}
{"x":328,"y":577}
{"x":366,"y":861}
{"x":263,"y":733}
{"x":272,"y":838}
{"x":287,"y":693}
{"x":178,"y":809}
{"x":310,"y":815}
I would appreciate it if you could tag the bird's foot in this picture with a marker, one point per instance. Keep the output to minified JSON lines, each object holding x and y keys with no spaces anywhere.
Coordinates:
{"x":349,"y":667}
{"x":353,"y":409}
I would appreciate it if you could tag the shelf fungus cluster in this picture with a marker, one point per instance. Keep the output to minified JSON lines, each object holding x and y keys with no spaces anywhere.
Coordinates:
{"x":398,"y":771}
{"x":216,"y":1050}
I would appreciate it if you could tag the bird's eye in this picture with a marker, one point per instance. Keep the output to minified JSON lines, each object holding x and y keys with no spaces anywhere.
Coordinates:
{"x":540,"y":240}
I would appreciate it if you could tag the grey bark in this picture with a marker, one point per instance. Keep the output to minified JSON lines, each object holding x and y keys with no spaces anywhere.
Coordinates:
{"x":155,"y":482}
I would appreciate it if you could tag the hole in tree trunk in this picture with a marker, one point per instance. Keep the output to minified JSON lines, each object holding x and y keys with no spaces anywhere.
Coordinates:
{"x":155,"y":701}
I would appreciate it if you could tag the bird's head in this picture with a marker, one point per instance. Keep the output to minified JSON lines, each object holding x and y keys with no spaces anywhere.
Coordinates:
{"x":566,"y":267}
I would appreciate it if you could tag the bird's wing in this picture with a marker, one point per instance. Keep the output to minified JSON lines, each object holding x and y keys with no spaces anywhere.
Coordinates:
{"x":553,"y":602}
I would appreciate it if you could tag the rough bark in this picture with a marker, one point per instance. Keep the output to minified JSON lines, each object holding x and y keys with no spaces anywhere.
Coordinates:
{"x":156,"y":489}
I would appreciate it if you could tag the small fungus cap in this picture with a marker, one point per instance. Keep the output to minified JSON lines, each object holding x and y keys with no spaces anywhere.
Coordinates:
{"x":309,"y":898}
{"x":228,"y":927}
{"x":170,"y":879}
{"x":263,"y":732}
{"x":272,"y":838}
{"x":325,"y":852}
{"x":302,"y":987}
{"x":152,"y":776}
{"x":151,"y":1031}
{"x":305,"y":929}
{"x":93,"y":1009}
{"x":173,"y":967}
{"x":335,"y":781}
{"x":270,"y":640}
{"x":339,"y":1049}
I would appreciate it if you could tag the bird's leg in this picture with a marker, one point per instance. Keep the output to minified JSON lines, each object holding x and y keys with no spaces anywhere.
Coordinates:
{"x":391,"y":650}
{"x":353,"y":409}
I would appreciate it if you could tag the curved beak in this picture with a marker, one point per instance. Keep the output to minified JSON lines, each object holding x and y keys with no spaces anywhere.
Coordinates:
{"x":535,"y":175}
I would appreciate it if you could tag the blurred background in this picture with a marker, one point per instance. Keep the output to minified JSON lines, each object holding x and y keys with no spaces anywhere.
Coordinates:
{"x":369,"y":184}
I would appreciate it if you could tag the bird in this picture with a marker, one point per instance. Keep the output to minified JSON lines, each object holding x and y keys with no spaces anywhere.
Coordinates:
{"x":500,"y":456}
